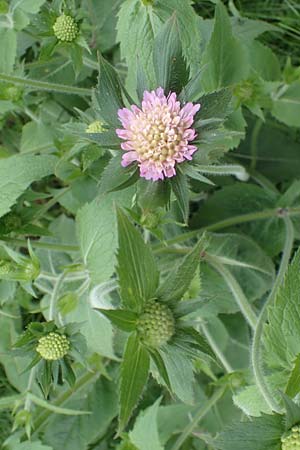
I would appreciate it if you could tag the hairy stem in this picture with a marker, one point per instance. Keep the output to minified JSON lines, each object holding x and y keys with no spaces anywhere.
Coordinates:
{"x":54,"y":295}
{"x":215,"y":347}
{"x":258,"y":334}
{"x":45,"y":86}
{"x":239,"y":296}
{"x":202,"y":411}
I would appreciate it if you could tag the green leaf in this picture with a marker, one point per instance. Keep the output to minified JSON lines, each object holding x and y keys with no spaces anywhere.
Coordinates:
{"x":292,"y":412}
{"x":169,"y":65}
{"x":8,"y":49}
{"x":225,"y":56}
{"x":180,"y":188}
{"x":108,"y":94}
{"x":123,"y":319}
{"x":97,"y":234}
{"x":56,"y":409}
{"x":137,"y":270}
{"x":138,"y":25}
{"x":78,"y":432}
{"x":36,"y":137}
{"x":28,"y":6}
{"x":18,"y":172}
{"x":293,"y":386}
{"x":179,"y":368}
{"x":153,"y":194}
{"x":145,"y":430}
{"x":286,"y":105}
{"x":115,"y":177}
{"x":180,"y":278}
{"x":134,"y":374}
{"x":261,"y":433}
{"x":30,"y":445}
{"x":282,"y":333}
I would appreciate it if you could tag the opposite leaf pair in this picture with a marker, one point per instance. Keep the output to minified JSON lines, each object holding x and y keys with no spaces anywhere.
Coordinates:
{"x":153,"y":315}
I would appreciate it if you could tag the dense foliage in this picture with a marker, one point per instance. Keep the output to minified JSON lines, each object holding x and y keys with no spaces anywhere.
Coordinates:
{"x":149,"y":225}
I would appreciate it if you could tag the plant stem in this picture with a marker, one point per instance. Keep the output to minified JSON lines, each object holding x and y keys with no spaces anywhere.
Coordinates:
{"x":236,"y":290}
{"x":202,"y":411}
{"x":54,"y":295}
{"x":87,"y":378}
{"x":46,"y":245}
{"x":214,"y":345}
{"x":231,"y":221}
{"x":45,"y":86}
{"x":258,"y":334}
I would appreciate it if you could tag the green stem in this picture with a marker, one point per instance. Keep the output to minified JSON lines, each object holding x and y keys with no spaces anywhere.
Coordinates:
{"x":254,"y":137}
{"x":258,"y":334}
{"x":45,"y":86}
{"x":236,"y":220}
{"x":240,"y":298}
{"x":46,"y":245}
{"x":202,"y":411}
{"x":40,"y":213}
{"x":81,"y":382}
{"x":215,"y":347}
{"x":54,"y":295}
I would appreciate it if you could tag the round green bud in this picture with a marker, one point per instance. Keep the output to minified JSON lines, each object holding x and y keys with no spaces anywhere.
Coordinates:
{"x":65,"y":28}
{"x":244,"y":91}
{"x":150,"y":219}
{"x":53,"y":346}
{"x":291,"y":440}
{"x":156,"y":325}
{"x":10,"y":222}
{"x":95,"y":127}
{"x":6,"y":268}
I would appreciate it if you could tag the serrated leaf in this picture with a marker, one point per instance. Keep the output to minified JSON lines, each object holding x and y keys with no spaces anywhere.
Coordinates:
{"x":293,"y":386}
{"x":115,"y":177}
{"x":108,"y":94}
{"x":286,"y":105}
{"x":8,"y":49}
{"x":225,"y":56}
{"x":180,"y":278}
{"x":282,"y":333}
{"x":134,"y":374}
{"x":292,"y":412}
{"x":180,"y":187}
{"x":97,"y":234}
{"x":18,"y":172}
{"x":261,"y":433}
{"x":145,"y":430}
{"x":137,"y":270}
{"x":153,"y":194}
{"x":179,"y":368}
{"x":138,"y":25}
{"x":169,"y":65}
{"x":125,"y":320}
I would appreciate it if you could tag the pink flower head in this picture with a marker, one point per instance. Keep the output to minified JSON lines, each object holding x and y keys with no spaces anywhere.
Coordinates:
{"x":157,"y":135}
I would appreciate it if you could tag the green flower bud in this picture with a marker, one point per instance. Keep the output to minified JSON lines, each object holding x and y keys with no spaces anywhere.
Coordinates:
{"x":53,"y":346}
{"x":31,"y":270}
{"x":291,"y":440}
{"x":10,"y":222}
{"x":244,"y":91}
{"x":148,"y":2}
{"x":65,"y":28}
{"x":95,"y":127}
{"x":156,"y":324}
{"x":151,"y":219}
{"x":6,"y":268}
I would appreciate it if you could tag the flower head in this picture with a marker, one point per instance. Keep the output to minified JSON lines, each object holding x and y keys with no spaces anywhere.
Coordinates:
{"x":65,"y":28}
{"x":53,"y":346}
{"x":156,"y":325}
{"x":158,"y":134}
{"x":291,"y":441}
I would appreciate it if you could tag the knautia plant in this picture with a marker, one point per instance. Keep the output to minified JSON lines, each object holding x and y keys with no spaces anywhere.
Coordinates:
{"x":149,"y":225}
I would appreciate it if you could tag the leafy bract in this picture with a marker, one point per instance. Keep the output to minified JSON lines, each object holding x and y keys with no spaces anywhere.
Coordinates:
{"x":134,"y":374}
{"x":145,"y":431}
{"x":137,"y":271}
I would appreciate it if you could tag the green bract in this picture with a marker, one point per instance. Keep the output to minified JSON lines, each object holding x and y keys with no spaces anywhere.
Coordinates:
{"x":156,"y":325}
{"x":53,"y":346}
{"x":65,"y":28}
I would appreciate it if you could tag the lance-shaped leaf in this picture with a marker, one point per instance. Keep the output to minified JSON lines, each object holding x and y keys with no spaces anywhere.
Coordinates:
{"x":123,"y":319}
{"x":108,"y":94}
{"x":292,"y":412}
{"x":134,"y":374}
{"x":180,"y":278}
{"x":261,"y":433}
{"x":169,"y":65}
{"x":180,"y":188}
{"x":137,"y":270}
